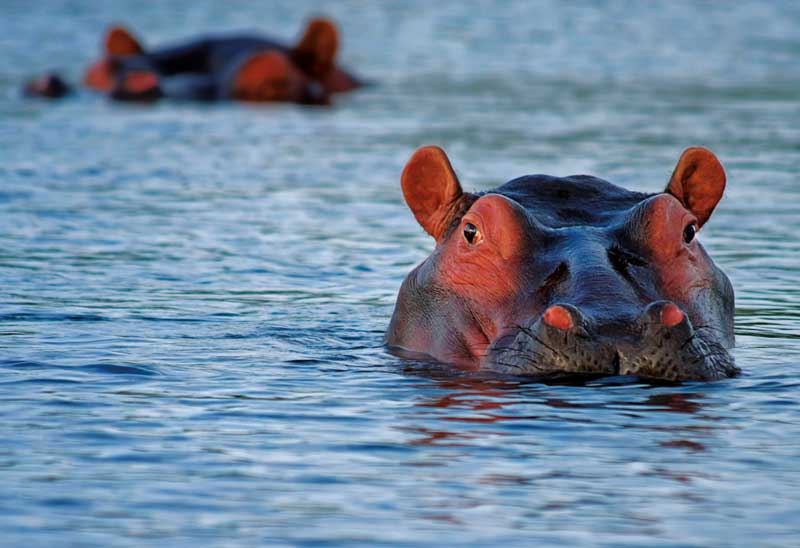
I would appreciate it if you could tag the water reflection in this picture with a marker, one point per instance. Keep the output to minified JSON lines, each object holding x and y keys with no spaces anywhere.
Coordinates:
{"x":460,"y":401}
{"x":557,"y":434}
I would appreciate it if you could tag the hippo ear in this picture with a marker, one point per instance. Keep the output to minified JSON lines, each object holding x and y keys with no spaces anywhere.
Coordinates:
{"x":121,"y":42}
{"x":316,"y":51}
{"x":431,"y":189}
{"x":698,"y":182}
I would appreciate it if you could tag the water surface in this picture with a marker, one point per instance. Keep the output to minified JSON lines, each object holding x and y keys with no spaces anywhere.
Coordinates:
{"x":193,"y":297}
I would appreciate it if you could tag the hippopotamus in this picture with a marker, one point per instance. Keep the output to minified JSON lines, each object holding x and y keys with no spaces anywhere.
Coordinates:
{"x":50,"y":86}
{"x":551,"y":276}
{"x":233,"y":67}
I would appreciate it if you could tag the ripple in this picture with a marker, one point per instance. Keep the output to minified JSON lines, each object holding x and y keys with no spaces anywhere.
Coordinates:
{"x":50,"y":317}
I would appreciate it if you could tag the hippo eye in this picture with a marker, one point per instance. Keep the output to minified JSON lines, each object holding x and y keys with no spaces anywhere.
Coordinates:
{"x":470,"y":232}
{"x":689,"y":232}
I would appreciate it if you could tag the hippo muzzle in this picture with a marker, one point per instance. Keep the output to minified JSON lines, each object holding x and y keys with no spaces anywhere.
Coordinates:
{"x":567,"y":275}
{"x":660,"y":344}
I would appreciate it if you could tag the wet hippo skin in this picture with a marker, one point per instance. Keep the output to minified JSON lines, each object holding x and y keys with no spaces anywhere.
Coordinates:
{"x":567,"y":275}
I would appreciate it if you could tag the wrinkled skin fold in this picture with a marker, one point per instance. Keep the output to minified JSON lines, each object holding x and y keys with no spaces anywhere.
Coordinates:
{"x":567,"y":275}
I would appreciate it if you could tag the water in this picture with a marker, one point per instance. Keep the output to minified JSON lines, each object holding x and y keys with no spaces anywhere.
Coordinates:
{"x":193,"y":297}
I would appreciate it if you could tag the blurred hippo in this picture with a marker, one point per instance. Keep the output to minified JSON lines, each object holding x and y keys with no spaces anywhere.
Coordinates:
{"x":567,"y":275}
{"x":48,"y":86}
{"x":235,"y":67}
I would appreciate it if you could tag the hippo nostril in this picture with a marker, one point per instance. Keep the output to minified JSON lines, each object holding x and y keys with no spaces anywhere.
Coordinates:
{"x":661,"y":314}
{"x":671,"y":315}
{"x":559,"y":317}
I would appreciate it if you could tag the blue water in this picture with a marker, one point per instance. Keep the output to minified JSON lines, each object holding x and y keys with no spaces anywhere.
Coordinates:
{"x":193,"y":297}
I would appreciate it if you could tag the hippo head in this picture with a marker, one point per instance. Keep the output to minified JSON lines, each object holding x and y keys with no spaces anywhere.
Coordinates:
{"x":49,"y":86}
{"x":567,"y":275}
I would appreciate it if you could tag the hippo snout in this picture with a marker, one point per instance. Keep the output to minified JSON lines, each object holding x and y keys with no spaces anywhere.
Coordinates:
{"x":660,"y":343}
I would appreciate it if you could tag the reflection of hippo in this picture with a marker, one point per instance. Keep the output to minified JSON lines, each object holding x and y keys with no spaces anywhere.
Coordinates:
{"x":248,"y":68}
{"x":548,"y":275}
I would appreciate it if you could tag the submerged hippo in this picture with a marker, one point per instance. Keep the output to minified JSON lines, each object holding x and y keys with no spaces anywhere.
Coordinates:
{"x":234,"y":67}
{"x":48,"y":86}
{"x":561,"y":275}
